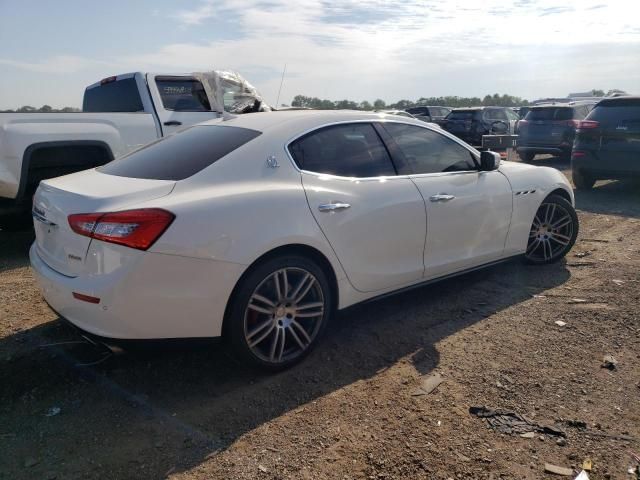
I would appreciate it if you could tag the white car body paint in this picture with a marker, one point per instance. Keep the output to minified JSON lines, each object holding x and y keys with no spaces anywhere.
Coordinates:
{"x":243,"y":206}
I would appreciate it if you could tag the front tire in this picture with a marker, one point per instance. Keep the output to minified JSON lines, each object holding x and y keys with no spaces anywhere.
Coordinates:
{"x":553,"y":232}
{"x":527,"y":156}
{"x":279,"y":312}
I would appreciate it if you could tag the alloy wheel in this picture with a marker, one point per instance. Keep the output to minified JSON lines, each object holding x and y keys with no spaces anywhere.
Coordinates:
{"x":283,"y":315}
{"x":551,"y":233}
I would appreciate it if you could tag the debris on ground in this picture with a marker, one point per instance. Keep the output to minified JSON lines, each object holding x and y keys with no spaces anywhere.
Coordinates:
{"x":577,"y":300}
{"x":513,"y":423}
{"x":582,"y":476}
{"x":428,"y":384}
{"x":53,"y":411}
{"x":618,"y":282}
{"x":609,"y":362}
{"x":550,"y":468}
{"x":560,"y":323}
{"x":587,"y":464}
{"x":262,"y":468}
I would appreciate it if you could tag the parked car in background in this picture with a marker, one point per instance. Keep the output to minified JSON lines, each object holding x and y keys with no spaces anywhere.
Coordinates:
{"x":607,"y":143}
{"x":119,"y":114}
{"x":258,"y":228}
{"x":522,"y":112}
{"x":470,"y":124}
{"x":429,"y":114}
{"x":550,"y":129}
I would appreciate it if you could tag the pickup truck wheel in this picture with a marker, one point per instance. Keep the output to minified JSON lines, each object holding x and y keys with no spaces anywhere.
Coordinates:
{"x":582,"y":180}
{"x":553,"y":231}
{"x":527,"y":156}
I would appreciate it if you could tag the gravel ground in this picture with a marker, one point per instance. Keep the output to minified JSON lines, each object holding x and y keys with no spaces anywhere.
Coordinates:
{"x":350,"y":410}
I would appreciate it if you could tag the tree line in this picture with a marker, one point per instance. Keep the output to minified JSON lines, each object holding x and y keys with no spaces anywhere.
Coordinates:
{"x":496,"y":99}
{"x":42,"y":109}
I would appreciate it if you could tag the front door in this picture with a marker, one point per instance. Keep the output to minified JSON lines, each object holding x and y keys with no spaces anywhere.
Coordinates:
{"x":373,"y":219}
{"x":468,"y":211}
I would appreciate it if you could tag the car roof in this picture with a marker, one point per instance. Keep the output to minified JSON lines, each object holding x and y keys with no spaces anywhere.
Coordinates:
{"x":303,"y":119}
{"x":627,"y":100}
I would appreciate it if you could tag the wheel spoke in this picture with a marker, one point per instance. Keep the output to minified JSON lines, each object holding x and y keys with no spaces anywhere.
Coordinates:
{"x":301,"y":294}
{"x":300,"y":330}
{"x":276,"y":280}
{"x":561,"y":239}
{"x":265,"y":300}
{"x":536,"y":221}
{"x":262,"y":336}
{"x":547,"y":248}
{"x":260,"y":309}
{"x":300,"y":285}
{"x":551,"y":210}
{"x":274,"y":344}
{"x":533,"y":246}
{"x":307,"y":306}
{"x":297,"y":338}
{"x":280,"y":351}
{"x":563,"y":222}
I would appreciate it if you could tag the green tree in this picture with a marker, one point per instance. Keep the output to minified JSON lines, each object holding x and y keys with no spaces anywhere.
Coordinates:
{"x":379,"y":104}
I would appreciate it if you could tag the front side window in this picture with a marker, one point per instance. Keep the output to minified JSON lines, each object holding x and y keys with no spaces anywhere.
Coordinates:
{"x":495,"y":114}
{"x":351,"y":150}
{"x":429,"y":152}
{"x":182,"y":94}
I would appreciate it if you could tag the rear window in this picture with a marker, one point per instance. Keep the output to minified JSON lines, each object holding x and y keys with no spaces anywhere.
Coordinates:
{"x":182,"y":94}
{"x":462,"y":115}
{"x":618,"y":113}
{"x":181,"y":155}
{"x":116,"y":96}
{"x":542,"y":114}
{"x":418,"y":110}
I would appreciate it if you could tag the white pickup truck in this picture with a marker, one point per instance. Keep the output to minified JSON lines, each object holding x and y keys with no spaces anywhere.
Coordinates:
{"x":119,"y":114}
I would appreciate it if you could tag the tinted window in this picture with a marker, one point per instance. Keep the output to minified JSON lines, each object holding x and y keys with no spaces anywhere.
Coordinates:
{"x":495,"y":114}
{"x":550,"y":113}
{"x":612,"y":113}
{"x":418,"y":111}
{"x":182,"y":94}
{"x":181,"y":155}
{"x":462,"y":115}
{"x":353,"y":150}
{"x":115,"y":96}
{"x":512,"y":115}
{"x":429,"y":152}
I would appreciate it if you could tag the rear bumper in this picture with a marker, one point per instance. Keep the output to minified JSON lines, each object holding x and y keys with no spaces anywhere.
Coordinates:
{"x":154,"y":297}
{"x":607,"y":168}
{"x":542,"y":150}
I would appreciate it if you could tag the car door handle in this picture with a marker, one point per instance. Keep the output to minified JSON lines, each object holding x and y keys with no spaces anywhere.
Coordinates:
{"x":332,"y":207}
{"x":172,"y":123}
{"x":441,"y":197}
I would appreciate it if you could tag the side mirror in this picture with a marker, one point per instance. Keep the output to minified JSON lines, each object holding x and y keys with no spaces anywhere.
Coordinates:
{"x":489,"y":161}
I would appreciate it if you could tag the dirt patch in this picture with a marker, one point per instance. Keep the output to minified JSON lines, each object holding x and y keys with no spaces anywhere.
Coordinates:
{"x":349,"y":411}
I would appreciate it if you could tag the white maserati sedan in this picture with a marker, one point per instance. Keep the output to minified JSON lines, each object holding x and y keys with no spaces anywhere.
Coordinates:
{"x":258,"y":228}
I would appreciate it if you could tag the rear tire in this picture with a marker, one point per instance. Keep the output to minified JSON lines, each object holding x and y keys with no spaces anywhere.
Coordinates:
{"x":553,"y":232}
{"x":279,"y":312}
{"x":527,"y":156}
{"x":582,"y":180}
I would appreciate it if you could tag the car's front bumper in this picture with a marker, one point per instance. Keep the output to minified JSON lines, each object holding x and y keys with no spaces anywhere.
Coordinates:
{"x":151,"y":297}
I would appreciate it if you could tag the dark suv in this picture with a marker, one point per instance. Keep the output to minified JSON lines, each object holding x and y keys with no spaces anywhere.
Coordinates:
{"x":470,"y":124}
{"x":607,"y":145}
{"x":429,"y":114}
{"x":550,"y":129}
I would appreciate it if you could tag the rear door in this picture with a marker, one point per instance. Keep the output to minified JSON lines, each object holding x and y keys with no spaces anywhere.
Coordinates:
{"x":180,"y":101}
{"x":547,"y":126}
{"x":468,"y":211}
{"x":373,"y":219}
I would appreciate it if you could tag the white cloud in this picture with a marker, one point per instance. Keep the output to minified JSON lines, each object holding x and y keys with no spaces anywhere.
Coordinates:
{"x":59,"y":64}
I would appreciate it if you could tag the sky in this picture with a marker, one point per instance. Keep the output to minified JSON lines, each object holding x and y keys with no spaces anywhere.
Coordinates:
{"x":336,"y":49}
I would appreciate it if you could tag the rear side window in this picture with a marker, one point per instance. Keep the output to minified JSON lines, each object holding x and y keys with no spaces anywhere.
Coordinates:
{"x":181,"y":155}
{"x":430,"y":152}
{"x":182,"y":94}
{"x":418,"y":111}
{"x":548,"y":114}
{"x":115,"y":96}
{"x":495,"y":114}
{"x":352,"y":150}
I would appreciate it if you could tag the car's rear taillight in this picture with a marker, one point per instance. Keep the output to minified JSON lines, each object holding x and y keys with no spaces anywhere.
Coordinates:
{"x":132,"y":228}
{"x":578,"y":154}
{"x":588,"y":124}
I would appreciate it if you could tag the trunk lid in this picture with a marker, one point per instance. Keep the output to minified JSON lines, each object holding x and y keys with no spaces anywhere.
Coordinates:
{"x":84,"y":192}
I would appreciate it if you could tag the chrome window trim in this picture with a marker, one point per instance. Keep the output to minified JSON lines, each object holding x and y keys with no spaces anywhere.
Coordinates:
{"x":439,"y":131}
